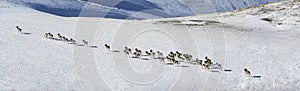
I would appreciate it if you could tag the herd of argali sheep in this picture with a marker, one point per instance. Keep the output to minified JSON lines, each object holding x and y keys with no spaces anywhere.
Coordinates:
{"x":62,"y":38}
{"x":174,"y":58}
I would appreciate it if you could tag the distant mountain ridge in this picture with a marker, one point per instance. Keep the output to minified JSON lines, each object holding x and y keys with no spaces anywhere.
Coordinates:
{"x":136,"y":9}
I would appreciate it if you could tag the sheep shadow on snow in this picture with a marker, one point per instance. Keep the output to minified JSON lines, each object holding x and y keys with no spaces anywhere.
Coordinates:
{"x":56,"y":39}
{"x":256,"y":76}
{"x":145,"y":59}
{"x":93,"y":46}
{"x":115,"y":51}
{"x":183,"y":66}
{"x":214,"y":71}
{"x":72,"y":43}
{"x":80,"y":45}
{"x":169,"y":64}
{"x":26,"y":33}
{"x":227,"y":70}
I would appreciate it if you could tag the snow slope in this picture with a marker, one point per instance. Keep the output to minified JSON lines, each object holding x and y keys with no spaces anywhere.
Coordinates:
{"x":238,"y":39}
{"x":137,"y":9}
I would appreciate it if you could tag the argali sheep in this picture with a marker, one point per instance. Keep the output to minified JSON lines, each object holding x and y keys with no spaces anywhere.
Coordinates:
{"x":152,"y":55}
{"x":148,"y":53}
{"x":207,"y":59}
{"x":138,"y":52}
{"x":107,"y":47}
{"x":85,"y":42}
{"x":205,"y":66}
{"x":137,"y":55}
{"x":209,"y":63}
{"x":161,"y":59}
{"x":72,"y":41}
{"x":151,"y":51}
{"x":19,"y":30}
{"x":188,"y":57}
{"x":170,"y":58}
{"x":180,"y":57}
{"x":48,"y":35}
{"x":175,"y":62}
{"x":127,"y":51}
{"x":198,"y":62}
{"x":59,"y":36}
{"x":64,"y":39}
{"x":247,"y":72}
{"x":178,"y":53}
{"x":219,"y":66}
{"x":159,"y":54}
{"x":171,"y":54}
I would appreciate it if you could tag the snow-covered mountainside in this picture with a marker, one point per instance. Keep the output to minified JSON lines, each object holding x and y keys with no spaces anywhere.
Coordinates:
{"x":137,"y":9}
{"x":264,"y":39}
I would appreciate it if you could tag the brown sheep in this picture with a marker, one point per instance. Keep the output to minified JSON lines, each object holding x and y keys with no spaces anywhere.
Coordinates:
{"x":247,"y":72}
{"x":19,"y":30}
{"x":85,"y":42}
{"x":107,"y":47}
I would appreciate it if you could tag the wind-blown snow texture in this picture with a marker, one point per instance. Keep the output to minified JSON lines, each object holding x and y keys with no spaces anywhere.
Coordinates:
{"x":137,"y":9}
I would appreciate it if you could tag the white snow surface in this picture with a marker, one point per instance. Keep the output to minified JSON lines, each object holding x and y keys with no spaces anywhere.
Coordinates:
{"x":237,"y":40}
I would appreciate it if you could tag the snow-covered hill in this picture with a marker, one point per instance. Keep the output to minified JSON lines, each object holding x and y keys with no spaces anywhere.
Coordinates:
{"x":263,"y":39}
{"x":137,"y":9}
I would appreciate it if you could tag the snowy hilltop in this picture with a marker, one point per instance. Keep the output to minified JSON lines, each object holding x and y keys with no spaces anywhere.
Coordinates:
{"x":137,"y":9}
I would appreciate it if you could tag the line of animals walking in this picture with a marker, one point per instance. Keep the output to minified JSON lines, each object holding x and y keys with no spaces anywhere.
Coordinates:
{"x":174,"y":58}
